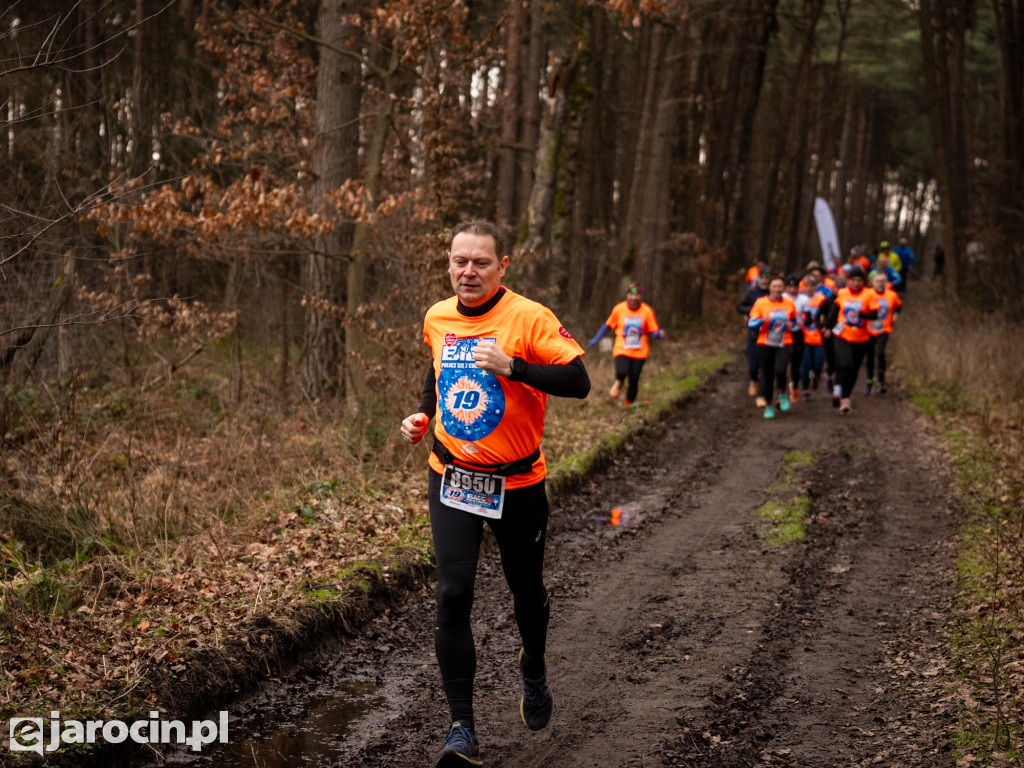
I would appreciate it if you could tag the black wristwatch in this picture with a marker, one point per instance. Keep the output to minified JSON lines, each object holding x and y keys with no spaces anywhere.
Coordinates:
{"x":518,"y":369}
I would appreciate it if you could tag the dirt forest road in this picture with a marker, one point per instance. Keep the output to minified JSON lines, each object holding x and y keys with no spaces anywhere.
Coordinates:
{"x":686,"y":638}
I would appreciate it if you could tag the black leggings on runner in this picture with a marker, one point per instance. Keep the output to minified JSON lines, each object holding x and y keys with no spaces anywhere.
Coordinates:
{"x":849,"y":358}
{"x":753,"y":364}
{"x":774,"y":367}
{"x":876,"y":357}
{"x":629,"y":367}
{"x":520,"y":535}
{"x":796,"y":359}
{"x":830,"y":359}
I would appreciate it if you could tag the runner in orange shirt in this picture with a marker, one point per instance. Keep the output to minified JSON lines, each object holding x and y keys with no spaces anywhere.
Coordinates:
{"x":854,"y":307}
{"x":889,"y":305}
{"x":634,"y":322}
{"x":774,"y":317}
{"x":496,"y":358}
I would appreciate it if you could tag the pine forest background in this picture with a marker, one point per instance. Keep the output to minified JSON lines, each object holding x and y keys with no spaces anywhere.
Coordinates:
{"x":280,"y":175}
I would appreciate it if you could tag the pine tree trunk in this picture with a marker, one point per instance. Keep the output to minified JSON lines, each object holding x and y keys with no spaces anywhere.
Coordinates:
{"x":531,"y":108}
{"x":507,"y":176}
{"x":356,"y":346}
{"x":655,"y":216}
{"x":335,"y":160}
{"x":943,"y":26}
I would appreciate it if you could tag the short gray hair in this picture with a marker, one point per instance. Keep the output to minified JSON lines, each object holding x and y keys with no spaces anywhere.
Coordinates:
{"x":481,"y":227}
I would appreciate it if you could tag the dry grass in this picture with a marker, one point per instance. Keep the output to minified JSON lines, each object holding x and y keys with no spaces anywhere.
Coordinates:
{"x":965,"y":362}
{"x":966,"y":372}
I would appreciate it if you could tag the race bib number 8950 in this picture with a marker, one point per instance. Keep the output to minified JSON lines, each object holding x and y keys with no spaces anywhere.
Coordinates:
{"x":479,"y":493}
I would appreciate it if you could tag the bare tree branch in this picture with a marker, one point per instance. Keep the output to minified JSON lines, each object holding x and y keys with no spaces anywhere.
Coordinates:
{"x":60,"y":57}
{"x":94,"y":317}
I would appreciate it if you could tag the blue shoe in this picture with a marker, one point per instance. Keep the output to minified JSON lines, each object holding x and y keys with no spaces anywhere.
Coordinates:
{"x":460,"y":748}
{"x":870,"y":384}
{"x":783,"y":403}
{"x":769,"y":412}
{"x":536,"y":705}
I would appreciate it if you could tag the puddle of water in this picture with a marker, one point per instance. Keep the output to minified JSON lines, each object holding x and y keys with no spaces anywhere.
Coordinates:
{"x":288,"y":731}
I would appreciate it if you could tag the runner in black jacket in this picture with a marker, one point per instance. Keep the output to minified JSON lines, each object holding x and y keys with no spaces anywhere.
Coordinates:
{"x":753,"y":293}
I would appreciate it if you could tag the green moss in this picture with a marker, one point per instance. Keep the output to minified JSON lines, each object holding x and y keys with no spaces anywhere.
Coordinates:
{"x":689,"y":384}
{"x":784,"y":521}
{"x":799,"y":459}
{"x":363,"y":575}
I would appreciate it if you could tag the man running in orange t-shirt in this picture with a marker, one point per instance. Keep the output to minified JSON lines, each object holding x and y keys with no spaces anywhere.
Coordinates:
{"x":496,"y":358}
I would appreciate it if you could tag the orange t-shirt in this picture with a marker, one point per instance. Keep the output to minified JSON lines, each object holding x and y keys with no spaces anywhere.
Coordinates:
{"x":485,"y":419}
{"x":631,"y":329}
{"x":752,"y":274}
{"x":777,"y":316}
{"x":851,"y":326}
{"x":888,"y":303}
{"x":812,"y":336}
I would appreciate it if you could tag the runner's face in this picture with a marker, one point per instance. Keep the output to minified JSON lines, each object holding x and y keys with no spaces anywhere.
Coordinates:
{"x":474,"y":268}
{"x":855,"y":284}
{"x":775,"y":289}
{"x":878,"y":281}
{"x":633,"y":301}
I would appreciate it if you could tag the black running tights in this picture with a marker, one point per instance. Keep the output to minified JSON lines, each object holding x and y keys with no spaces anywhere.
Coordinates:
{"x":520,"y":535}
{"x":876,"y":356}
{"x":849,"y":358}
{"x":629,"y":368}
{"x":774,"y":367}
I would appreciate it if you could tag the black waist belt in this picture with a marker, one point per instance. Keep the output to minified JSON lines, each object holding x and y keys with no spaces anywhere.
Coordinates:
{"x":518,"y":467}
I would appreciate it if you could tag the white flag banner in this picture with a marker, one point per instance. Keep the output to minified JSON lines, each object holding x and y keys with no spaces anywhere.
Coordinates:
{"x":830,"y":252}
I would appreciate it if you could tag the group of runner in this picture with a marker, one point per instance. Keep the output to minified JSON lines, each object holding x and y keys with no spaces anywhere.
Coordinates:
{"x":821,"y":328}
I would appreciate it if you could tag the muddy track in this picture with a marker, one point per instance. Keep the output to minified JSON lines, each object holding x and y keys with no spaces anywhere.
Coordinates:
{"x":683,"y":639}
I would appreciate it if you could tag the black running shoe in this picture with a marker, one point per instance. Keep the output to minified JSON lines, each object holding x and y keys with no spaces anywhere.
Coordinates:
{"x":460,"y":748}
{"x":536,"y":705}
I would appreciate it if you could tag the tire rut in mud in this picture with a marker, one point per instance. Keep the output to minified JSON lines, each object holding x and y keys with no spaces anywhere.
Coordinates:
{"x":846,"y":672}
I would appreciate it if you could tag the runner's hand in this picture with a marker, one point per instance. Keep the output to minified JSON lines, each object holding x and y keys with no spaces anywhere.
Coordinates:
{"x":414,"y":427}
{"x":492,"y":358}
